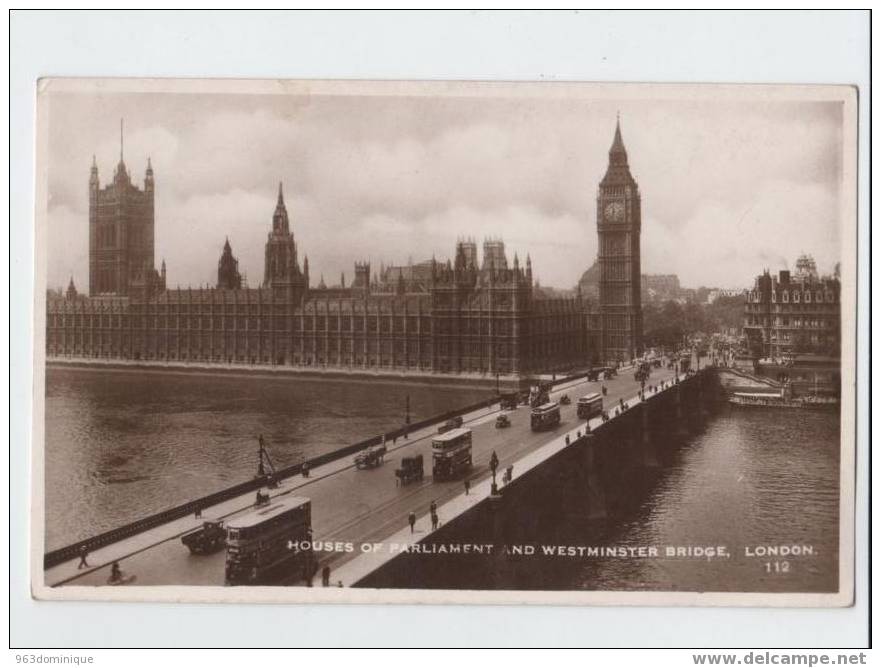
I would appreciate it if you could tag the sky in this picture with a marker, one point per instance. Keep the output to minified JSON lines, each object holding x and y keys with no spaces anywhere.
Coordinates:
{"x":728,"y":187}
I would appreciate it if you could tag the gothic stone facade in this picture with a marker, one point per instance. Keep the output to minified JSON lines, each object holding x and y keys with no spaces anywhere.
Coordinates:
{"x":121,"y":233}
{"x":618,"y":231}
{"x":454,"y":317}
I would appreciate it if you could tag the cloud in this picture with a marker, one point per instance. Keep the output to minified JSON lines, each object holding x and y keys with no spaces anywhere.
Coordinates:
{"x":727,"y":187}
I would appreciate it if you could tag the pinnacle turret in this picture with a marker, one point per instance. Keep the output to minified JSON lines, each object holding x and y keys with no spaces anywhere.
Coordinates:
{"x":618,"y":172}
{"x":93,"y":173}
{"x":617,"y":142}
{"x":280,"y":217}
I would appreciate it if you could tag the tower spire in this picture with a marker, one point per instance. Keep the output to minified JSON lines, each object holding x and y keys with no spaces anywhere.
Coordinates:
{"x":280,"y":195}
{"x":618,"y":143}
{"x":121,"y":139}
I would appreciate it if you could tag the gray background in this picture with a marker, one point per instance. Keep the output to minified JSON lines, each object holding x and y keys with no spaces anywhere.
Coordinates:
{"x":755,"y":47}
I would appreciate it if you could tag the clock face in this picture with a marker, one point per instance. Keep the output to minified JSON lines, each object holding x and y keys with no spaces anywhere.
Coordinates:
{"x":615,"y":211}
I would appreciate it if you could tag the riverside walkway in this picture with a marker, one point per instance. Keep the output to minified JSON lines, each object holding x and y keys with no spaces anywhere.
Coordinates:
{"x":356,"y":507}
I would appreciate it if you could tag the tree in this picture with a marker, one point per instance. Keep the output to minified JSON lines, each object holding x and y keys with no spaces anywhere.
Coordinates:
{"x":663,"y":325}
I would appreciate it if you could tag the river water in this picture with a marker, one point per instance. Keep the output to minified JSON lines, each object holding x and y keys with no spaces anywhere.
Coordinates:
{"x":753,"y":479}
{"x":121,"y":445}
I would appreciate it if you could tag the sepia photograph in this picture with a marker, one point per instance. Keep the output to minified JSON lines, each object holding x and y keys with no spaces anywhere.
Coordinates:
{"x":444,"y":342}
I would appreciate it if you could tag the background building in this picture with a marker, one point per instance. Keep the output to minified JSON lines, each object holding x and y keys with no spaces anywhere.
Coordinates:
{"x":789,"y":314}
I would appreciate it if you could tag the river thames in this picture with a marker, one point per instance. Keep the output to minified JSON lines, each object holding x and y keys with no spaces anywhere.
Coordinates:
{"x":754,"y":480}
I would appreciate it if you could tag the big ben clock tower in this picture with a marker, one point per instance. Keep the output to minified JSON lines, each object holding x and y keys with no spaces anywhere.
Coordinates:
{"x":618,"y":255}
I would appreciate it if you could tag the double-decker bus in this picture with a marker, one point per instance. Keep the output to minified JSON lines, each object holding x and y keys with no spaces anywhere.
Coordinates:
{"x":272,"y":544}
{"x":451,"y":453}
{"x":545,"y":416}
{"x":590,"y":406}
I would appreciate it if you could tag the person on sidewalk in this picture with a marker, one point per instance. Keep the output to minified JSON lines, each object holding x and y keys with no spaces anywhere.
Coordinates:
{"x":325,"y":576}
{"x":412,"y":520}
{"x":467,"y":487}
{"x":84,"y":552}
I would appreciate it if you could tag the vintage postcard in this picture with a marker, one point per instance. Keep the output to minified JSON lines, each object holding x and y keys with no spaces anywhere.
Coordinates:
{"x":351,"y":341}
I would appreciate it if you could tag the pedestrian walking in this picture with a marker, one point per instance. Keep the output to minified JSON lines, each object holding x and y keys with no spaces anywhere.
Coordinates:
{"x":305,"y":469}
{"x":198,"y":512}
{"x":434,"y":521}
{"x":84,"y":552}
{"x":325,"y":576}
{"x":433,"y":507}
{"x":467,"y":487}
{"x":412,"y":520}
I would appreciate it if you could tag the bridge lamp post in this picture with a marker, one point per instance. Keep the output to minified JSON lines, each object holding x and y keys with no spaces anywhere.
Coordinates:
{"x":494,"y":464}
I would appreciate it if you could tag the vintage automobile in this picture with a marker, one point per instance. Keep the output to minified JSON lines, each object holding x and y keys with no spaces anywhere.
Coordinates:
{"x":502,"y":421}
{"x":370,"y":457}
{"x":452,"y":423}
{"x":207,"y":539}
{"x":509,"y":400}
{"x":411,"y":470}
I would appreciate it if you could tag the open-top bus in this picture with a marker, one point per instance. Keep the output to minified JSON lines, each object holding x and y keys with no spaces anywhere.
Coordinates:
{"x":590,"y":406}
{"x":545,"y":416}
{"x":451,"y":453}
{"x":271,"y":544}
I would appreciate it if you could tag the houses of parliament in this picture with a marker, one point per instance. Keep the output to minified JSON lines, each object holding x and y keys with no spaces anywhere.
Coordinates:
{"x":470,"y":316}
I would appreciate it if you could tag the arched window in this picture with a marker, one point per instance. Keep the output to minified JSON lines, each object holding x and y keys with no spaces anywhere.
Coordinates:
{"x":819,"y":297}
{"x":786,"y":296}
{"x":796,"y":296}
{"x":807,"y":296}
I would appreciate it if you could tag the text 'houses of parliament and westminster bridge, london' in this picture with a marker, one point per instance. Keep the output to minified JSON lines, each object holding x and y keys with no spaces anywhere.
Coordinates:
{"x":463,"y":316}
